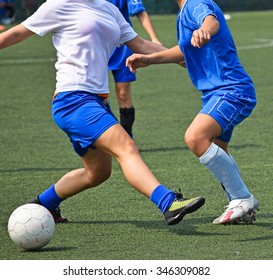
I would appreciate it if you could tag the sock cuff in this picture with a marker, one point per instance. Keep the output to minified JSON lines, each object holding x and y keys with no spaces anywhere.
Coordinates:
{"x":162,"y":197}
{"x":210,"y":154}
{"x":50,"y":199}
{"x":157,"y":193}
{"x":127,"y":111}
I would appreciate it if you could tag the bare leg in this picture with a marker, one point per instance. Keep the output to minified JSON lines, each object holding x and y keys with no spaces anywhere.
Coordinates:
{"x":201,"y":133}
{"x":200,"y":137}
{"x":97,"y":165}
{"x":97,"y":169}
{"x":123,"y":93}
{"x":116,"y":142}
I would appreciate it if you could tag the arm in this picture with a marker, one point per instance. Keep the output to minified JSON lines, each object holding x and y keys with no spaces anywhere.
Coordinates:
{"x":203,"y":35}
{"x":140,"y":45}
{"x":172,"y":55}
{"x":145,"y":21}
{"x":14,"y":35}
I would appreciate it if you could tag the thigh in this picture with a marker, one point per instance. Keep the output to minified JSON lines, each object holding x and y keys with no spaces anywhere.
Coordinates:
{"x":123,"y":75}
{"x":205,"y":127}
{"x":97,"y":163}
{"x":228,"y":111}
{"x":83,"y":117}
{"x":116,"y":142}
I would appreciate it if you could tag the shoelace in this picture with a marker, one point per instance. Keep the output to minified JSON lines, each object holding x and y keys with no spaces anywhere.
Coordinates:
{"x":179,"y":194}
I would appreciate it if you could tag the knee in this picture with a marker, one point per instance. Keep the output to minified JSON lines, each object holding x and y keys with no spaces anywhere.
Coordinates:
{"x":123,"y":91}
{"x":130,"y":147}
{"x":194,"y":142}
{"x":127,"y":150}
{"x":123,"y":95}
{"x":96,"y":177}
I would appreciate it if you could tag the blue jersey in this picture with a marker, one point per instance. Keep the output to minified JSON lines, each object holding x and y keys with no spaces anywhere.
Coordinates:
{"x":215,"y":65}
{"x":127,"y":8}
{"x":6,"y":1}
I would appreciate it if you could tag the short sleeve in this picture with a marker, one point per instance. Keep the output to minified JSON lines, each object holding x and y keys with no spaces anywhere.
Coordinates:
{"x":198,"y":13}
{"x":45,"y":19}
{"x":127,"y":32}
{"x":135,"y":7}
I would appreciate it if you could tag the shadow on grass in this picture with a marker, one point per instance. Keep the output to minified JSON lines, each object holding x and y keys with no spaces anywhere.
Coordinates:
{"x":152,"y":150}
{"x":37,"y":169}
{"x":260,"y":238}
{"x":50,"y":249}
{"x":165,"y":149}
{"x":186,"y":227}
{"x":268,"y":225}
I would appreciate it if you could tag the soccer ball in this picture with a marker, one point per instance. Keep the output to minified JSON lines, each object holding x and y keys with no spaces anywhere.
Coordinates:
{"x":31,"y":226}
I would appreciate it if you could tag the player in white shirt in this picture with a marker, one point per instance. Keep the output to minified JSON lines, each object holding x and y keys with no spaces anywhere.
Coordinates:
{"x":84,"y":34}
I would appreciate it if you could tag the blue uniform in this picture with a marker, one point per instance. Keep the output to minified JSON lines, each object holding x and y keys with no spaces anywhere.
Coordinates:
{"x":118,"y":58}
{"x":83,"y":131}
{"x":215,"y":70}
{"x":3,"y":11}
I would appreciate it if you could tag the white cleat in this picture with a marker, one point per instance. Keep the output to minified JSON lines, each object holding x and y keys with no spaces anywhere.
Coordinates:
{"x":239,"y":211}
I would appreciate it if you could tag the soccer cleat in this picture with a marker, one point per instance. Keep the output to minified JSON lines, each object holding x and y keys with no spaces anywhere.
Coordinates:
{"x":182,"y":206}
{"x":58,"y":218}
{"x":56,"y":213}
{"x":239,"y":211}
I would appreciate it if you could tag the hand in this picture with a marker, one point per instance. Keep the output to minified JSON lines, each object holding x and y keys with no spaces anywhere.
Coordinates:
{"x":200,"y":37}
{"x":136,"y":61}
{"x":182,"y":63}
{"x":156,"y":41}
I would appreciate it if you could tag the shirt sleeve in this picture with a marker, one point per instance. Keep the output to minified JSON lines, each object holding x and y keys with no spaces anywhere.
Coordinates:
{"x":198,"y":13}
{"x":45,"y":19}
{"x":127,"y":32}
{"x":135,"y":7}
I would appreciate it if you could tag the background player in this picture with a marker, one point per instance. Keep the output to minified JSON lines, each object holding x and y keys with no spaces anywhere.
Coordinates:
{"x":122,"y":76}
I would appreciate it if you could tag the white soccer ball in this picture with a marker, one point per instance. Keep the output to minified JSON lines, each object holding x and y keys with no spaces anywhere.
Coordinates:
{"x":31,"y":226}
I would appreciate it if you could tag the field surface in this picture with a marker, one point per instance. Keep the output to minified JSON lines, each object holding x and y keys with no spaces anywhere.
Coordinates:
{"x":113,"y":221}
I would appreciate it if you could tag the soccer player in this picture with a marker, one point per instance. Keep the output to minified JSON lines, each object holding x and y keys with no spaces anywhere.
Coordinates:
{"x":7,"y":11}
{"x":84,"y":34}
{"x":228,"y":97}
{"x":122,"y":76}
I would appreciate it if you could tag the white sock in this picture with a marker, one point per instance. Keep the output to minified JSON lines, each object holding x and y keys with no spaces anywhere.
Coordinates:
{"x":225,"y":170}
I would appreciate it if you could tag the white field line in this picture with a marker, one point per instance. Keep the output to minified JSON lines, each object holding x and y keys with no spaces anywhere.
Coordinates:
{"x":263,"y":43}
{"x":27,"y":60}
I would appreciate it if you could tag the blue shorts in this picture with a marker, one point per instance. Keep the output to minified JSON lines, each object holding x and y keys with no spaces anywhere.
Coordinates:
{"x":123,"y":75}
{"x":228,"y":110}
{"x":6,"y":1}
{"x":83,"y":116}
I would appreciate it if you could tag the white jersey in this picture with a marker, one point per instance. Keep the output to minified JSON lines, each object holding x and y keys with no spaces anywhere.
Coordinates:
{"x":84,"y":33}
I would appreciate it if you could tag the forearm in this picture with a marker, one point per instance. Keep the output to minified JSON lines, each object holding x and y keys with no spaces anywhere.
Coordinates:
{"x":140,"y":45}
{"x":172,"y":55}
{"x":145,"y":21}
{"x":211,"y":25}
{"x":14,"y":35}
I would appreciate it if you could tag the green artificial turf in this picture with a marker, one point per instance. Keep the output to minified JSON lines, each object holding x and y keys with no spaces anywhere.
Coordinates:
{"x":113,"y":221}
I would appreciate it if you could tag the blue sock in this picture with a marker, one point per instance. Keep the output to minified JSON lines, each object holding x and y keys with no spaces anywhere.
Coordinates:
{"x":49,"y":199}
{"x":162,"y":197}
